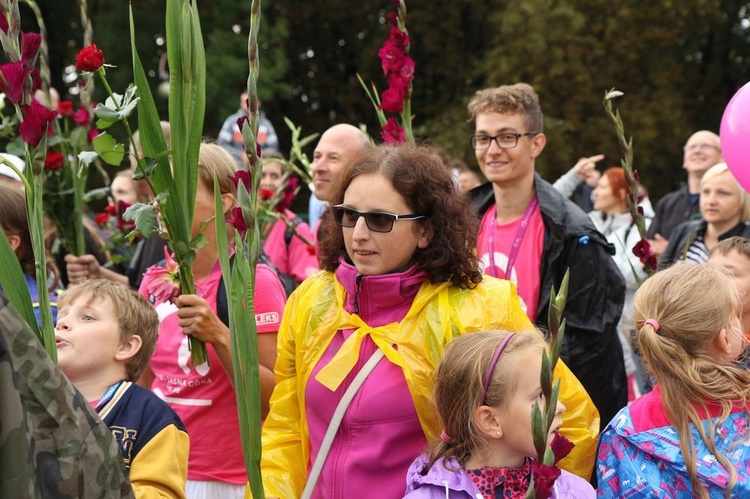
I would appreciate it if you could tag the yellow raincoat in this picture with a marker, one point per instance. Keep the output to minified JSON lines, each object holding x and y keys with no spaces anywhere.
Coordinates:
{"x":439,"y":313}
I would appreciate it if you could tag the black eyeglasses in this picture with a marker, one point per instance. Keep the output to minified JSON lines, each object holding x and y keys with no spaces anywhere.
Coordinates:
{"x":504,"y":140}
{"x":377,"y":221}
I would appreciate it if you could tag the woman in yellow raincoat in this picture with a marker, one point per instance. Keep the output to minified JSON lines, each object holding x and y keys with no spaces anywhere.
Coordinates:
{"x":400,"y":280}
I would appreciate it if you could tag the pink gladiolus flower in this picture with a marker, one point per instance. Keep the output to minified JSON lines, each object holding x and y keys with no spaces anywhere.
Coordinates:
{"x":13,"y":79}
{"x":163,"y":282}
{"x":288,"y":195}
{"x":36,"y":120}
{"x":30,"y":43}
{"x":399,"y":38}
{"x":544,"y":478}
{"x":392,"y":18}
{"x":236,"y":219}
{"x":405,"y":72}
{"x":393,"y":133}
{"x":4,"y":23}
{"x":82,"y":117}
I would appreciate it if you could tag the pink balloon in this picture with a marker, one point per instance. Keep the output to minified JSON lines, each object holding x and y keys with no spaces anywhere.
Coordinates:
{"x":735,"y":136}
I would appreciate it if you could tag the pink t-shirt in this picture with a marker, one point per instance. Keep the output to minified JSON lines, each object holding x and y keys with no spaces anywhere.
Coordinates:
{"x":526,"y":273}
{"x":203,"y":397}
{"x":298,"y":259}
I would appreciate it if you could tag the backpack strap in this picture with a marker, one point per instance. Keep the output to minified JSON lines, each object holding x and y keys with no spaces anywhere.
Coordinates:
{"x":289,"y":233}
{"x":222,"y":307}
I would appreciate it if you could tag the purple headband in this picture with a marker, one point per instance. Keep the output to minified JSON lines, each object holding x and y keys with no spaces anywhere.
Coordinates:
{"x":488,"y":376}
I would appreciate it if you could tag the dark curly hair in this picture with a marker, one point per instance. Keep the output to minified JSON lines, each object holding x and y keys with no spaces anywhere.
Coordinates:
{"x":422,"y":178}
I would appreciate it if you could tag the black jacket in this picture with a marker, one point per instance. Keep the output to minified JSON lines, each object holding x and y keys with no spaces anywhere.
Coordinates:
{"x":591,"y":347}
{"x":685,"y":233}
{"x":672,"y":210}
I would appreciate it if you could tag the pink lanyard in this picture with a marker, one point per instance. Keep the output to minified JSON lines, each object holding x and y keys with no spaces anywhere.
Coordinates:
{"x":520,"y":233}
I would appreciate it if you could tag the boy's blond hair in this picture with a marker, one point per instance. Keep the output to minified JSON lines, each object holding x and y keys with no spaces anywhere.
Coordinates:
{"x":510,"y":99}
{"x":135,"y":316}
{"x":741,"y":245}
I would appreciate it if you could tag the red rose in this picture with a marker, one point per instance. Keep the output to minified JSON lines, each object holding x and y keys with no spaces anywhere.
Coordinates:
{"x":393,"y":133}
{"x":82,"y":117}
{"x":53,"y":161}
{"x":110,"y":209}
{"x":65,"y":108}
{"x":36,"y":120}
{"x":30,"y":43}
{"x":237,"y":220}
{"x":642,"y":249}
{"x":14,"y":73}
{"x":544,"y":479}
{"x":89,"y":58}
{"x":266,"y":194}
{"x":101,"y":220}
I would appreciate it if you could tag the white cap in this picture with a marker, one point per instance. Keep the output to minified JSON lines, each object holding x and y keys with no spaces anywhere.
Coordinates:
{"x":6,"y":170}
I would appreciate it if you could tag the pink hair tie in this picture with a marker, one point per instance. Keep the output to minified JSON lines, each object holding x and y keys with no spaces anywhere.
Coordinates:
{"x":445,"y":437}
{"x":652,"y":323}
{"x":488,"y":376}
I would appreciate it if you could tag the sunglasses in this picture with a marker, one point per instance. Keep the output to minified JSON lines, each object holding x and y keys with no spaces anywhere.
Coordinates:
{"x":377,"y":221}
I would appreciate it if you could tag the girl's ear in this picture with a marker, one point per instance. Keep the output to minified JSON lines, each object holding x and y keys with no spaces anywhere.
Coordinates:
{"x":129,"y":348}
{"x":722,"y":344}
{"x":15,"y":242}
{"x":228,"y":202}
{"x":488,"y":421}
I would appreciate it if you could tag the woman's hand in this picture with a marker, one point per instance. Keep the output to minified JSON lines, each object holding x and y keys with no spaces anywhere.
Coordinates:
{"x":196,"y":318}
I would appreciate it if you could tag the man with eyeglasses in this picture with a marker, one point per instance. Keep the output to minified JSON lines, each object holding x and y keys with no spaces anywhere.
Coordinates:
{"x":702,"y":151}
{"x":531,"y":234}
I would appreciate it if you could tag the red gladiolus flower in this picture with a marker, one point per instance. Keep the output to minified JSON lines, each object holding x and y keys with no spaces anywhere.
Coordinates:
{"x":53,"y":161}
{"x":399,"y":38}
{"x":4,"y":23}
{"x":392,"y":100}
{"x":13,"y":79}
{"x":236,"y":219}
{"x":392,"y":18}
{"x":163,"y":282}
{"x":241,"y":176}
{"x":36,"y":120}
{"x":36,"y":80}
{"x":30,"y":43}
{"x":391,"y":57}
{"x":396,"y":3}
{"x":544,"y":479}
{"x":561,"y":446}
{"x":122,"y":206}
{"x":393,"y":133}
{"x":288,"y":195}
{"x":404,"y":73}
{"x":82,"y":117}
{"x":241,"y":120}
{"x":65,"y":108}
{"x":642,"y":249}
{"x":89,"y":59}
{"x":650,"y":261}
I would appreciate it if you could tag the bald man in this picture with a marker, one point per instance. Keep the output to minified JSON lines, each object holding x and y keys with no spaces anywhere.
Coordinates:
{"x":702,"y":151}
{"x":337,"y":147}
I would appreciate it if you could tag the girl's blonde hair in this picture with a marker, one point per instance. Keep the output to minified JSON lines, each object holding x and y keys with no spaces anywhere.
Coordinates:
{"x":692,"y":304}
{"x":722,"y":168}
{"x":459,"y":390}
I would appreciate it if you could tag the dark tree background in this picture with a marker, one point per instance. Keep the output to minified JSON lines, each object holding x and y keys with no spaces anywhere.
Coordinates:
{"x":678,"y":64}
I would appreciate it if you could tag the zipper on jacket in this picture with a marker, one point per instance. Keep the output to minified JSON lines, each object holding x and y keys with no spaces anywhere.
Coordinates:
{"x":356,"y":292}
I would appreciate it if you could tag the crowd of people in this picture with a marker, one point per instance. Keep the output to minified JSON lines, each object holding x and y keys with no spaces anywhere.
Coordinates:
{"x":407,"y":359}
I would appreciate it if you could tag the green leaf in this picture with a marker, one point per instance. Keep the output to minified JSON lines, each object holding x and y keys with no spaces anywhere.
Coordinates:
{"x":14,"y":284}
{"x":538,"y":429}
{"x":103,"y":124}
{"x":96,"y":194}
{"x":145,"y":169}
{"x":108,"y":149}
{"x":79,"y":139}
{"x":104,"y":112}
{"x":87,"y":157}
{"x":144,"y":216}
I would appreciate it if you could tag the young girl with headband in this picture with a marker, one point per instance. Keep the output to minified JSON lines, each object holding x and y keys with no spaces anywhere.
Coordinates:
{"x":689,"y":436}
{"x":486,"y":387}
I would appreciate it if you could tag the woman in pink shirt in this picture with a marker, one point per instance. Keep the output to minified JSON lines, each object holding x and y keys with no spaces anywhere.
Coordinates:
{"x":400,"y":279}
{"x":288,"y":241}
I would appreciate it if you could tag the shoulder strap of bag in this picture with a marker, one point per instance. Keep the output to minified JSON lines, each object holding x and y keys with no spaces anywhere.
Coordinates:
{"x":338,"y":416}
